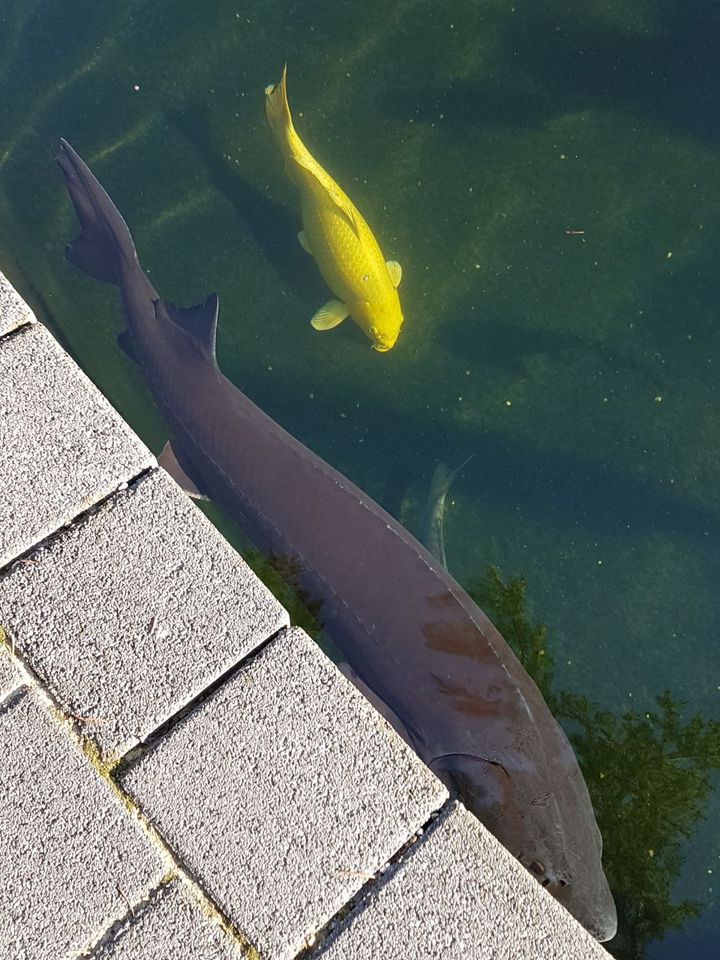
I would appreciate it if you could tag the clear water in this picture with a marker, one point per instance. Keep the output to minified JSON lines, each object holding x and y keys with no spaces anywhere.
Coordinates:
{"x":548,"y":174}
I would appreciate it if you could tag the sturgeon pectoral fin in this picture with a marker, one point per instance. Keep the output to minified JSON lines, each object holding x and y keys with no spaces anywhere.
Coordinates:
{"x":395,"y":271}
{"x":169,"y":462}
{"x":303,"y":240}
{"x":329,"y":316}
{"x":126,"y":344}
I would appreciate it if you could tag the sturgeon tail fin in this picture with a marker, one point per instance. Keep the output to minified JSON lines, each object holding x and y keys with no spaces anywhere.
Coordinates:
{"x":104,"y":241}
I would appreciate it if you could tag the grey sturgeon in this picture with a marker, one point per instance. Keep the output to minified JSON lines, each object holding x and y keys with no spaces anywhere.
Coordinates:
{"x":406,"y":628}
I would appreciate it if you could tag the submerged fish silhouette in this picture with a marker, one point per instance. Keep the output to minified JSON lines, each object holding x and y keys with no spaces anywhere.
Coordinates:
{"x":415,"y":638}
{"x":335,"y":234}
{"x":432,"y":521}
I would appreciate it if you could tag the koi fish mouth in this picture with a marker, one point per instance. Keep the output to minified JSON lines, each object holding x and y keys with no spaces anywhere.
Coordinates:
{"x":384,"y":344}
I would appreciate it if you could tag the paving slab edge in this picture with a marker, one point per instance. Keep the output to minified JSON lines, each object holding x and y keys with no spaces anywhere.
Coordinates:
{"x":108,"y":773}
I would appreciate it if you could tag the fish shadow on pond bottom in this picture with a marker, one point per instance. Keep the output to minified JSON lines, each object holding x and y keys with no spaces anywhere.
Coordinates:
{"x":273,"y":227}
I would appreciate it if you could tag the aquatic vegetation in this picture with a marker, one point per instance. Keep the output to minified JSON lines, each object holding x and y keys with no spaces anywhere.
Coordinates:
{"x":505,"y":603}
{"x":649,"y":775}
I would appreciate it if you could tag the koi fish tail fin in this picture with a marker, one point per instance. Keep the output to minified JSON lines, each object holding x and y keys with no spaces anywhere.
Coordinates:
{"x":277,"y":111}
{"x":104,"y":241}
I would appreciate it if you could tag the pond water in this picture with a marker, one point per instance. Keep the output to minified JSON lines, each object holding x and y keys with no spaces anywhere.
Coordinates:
{"x":548,"y":175}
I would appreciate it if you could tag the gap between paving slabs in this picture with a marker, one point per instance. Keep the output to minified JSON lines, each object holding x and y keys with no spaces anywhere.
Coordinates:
{"x":125,"y":627}
{"x":14,"y":312}
{"x":294,"y":790}
{"x":52,"y":413}
{"x":179,"y":869}
{"x":71,"y":854}
{"x":74,"y":725}
{"x":67,"y":726}
{"x":193,"y":881}
{"x":170,"y":922}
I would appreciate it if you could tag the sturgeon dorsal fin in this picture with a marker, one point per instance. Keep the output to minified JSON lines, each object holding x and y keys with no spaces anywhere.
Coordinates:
{"x":199,"y":322}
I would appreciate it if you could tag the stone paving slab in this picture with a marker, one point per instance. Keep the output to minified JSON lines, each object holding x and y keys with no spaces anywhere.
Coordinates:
{"x":72,"y":856}
{"x":132,"y":612}
{"x":62,"y":446}
{"x":283,"y":793}
{"x":14,"y":312}
{"x":9,"y":679}
{"x":170,"y":926}
{"x":457,"y":894}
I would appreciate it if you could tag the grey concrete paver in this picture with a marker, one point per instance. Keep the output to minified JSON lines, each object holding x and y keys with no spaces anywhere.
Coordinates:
{"x":457,"y":894}
{"x":62,"y":446}
{"x":283,"y":793}
{"x":72,"y":856}
{"x":14,"y":312}
{"x":9,"y":678}
{"x":170,"y":926}
{"x":130,"y":613}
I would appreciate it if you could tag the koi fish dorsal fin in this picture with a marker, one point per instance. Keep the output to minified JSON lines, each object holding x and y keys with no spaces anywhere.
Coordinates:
{"x":199,"y":322}
{"x":331,"y":190}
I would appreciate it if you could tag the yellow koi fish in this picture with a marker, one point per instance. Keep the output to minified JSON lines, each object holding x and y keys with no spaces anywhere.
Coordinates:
{"x":336,"y":235}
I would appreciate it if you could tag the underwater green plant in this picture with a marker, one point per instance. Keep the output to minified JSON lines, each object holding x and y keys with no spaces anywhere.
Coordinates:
{"x":648,"y":773}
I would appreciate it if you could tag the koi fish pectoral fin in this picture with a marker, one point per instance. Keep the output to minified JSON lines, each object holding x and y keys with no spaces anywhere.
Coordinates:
{"x":304,"y":243}
{"x":395,"y":272}
{"x":329,"y":316}
{"x":180,"y":473}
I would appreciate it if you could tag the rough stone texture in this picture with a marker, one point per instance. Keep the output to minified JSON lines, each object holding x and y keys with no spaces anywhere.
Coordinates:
{"x":458,"y":893}
{"x":170,"y":926}
{"x":283,"y":793}
{"x":14,"y":312}
{"x":72,"y":856}
{"x":132,"y":612}
{"x":9,"y":678}
{"x":62,"y":446}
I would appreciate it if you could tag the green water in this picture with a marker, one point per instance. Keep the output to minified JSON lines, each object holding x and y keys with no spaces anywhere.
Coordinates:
{"x":580,"y":369}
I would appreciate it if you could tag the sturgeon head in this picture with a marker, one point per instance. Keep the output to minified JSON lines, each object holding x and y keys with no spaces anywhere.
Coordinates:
{"x":553,"y":834}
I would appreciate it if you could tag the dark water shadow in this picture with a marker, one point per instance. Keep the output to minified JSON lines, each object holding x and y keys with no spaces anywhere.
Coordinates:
{"x":273,"y":226}
{"x":568,"y":64}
